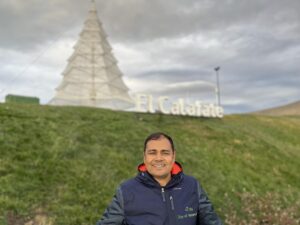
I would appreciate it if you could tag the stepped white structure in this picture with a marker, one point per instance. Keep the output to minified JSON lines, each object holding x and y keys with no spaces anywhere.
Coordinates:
{"x":92,"y":77}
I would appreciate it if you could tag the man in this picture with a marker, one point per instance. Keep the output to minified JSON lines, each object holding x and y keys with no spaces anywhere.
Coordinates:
{"x":161,"y":194}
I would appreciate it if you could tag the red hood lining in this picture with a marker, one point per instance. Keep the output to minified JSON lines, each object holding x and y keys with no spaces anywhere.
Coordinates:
{"x":175,"y":170}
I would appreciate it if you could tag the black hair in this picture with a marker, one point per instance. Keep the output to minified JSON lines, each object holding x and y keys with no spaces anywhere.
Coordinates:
{"x":156,"y":136}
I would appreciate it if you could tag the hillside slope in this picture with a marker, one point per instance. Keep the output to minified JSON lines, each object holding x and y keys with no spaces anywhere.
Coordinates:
{"x":285,"y":110}
{"x":65,"y":162}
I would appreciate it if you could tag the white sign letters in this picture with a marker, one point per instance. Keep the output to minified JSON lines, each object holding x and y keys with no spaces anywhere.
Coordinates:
{"x":145,"y":103}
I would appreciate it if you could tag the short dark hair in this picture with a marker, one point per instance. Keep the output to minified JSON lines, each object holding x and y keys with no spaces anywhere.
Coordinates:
{"x":156,"y":136}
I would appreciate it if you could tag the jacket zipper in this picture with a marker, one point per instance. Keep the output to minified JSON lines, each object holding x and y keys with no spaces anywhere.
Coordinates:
{"x":172,"y":212}
{"x":163,"y":194}
{"x":172,"y":203}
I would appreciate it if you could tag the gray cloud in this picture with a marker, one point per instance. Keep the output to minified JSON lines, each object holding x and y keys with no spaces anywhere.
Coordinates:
{"x":140,"y":20}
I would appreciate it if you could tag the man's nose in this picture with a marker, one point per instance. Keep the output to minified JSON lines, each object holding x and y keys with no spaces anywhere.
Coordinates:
{"x":158,"y":156}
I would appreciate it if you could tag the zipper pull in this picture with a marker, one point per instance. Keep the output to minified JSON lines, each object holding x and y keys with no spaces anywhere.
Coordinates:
{"x":172,"y":203}
{"x":163,"y":194}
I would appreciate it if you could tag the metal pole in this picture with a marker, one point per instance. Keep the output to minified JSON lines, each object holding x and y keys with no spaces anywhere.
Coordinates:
{"x":218,"y":85}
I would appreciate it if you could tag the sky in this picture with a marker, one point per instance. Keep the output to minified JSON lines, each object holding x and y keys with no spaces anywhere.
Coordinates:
{"x":163,"y":47}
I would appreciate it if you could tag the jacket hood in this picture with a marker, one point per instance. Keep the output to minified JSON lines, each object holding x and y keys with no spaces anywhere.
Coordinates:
{"x":177,"y":168}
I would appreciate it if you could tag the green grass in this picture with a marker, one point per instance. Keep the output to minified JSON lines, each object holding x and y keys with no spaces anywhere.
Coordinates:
{"x":68,"y":161}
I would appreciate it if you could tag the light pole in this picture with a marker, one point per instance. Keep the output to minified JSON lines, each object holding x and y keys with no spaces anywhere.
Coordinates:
{"x":218,"y":85}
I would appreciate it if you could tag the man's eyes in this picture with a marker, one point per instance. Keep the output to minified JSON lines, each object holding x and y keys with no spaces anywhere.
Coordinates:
{"x":163,"y":153}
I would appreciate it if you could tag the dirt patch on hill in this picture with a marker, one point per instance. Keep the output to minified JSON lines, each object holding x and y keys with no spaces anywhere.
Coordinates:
{"x":39,"y":217}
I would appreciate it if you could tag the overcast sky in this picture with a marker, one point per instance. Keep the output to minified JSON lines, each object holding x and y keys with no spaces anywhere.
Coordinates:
{"x":164,"y":47}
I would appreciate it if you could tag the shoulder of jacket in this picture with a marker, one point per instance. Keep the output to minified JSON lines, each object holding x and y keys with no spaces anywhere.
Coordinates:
{"x":128,"y":183}
{"x":190,"y":179}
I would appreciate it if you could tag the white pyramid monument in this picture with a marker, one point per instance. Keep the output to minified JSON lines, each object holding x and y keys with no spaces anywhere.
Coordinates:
{"x":92,"y":77}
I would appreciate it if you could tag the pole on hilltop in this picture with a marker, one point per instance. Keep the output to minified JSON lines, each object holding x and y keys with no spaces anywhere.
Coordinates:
{"x":218,"y":85}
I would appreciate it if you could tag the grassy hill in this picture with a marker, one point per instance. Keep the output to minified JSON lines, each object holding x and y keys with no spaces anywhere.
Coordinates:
{"x":64,"y":163}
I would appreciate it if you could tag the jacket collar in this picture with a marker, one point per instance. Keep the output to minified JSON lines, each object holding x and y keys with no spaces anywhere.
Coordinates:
{"x":147,"y":179}
{"x":177,"y":168}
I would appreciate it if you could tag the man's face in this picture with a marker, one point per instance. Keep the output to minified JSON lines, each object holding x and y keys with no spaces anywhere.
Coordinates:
{"x":159,"y":159}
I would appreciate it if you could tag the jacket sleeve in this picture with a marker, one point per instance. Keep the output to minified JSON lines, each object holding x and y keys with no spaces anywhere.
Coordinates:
{"x":206,"y":213}
{"x":114,"y":213}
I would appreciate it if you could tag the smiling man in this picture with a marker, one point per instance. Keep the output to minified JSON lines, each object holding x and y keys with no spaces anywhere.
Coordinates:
{"x":159,"y":158}
{"x":161,"y":194}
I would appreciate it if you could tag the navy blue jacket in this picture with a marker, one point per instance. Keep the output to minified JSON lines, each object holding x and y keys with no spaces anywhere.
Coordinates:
{"x":142,"y":201}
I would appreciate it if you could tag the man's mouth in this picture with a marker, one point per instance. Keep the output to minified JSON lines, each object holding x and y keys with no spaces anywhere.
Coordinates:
{"x":160,"y":165}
